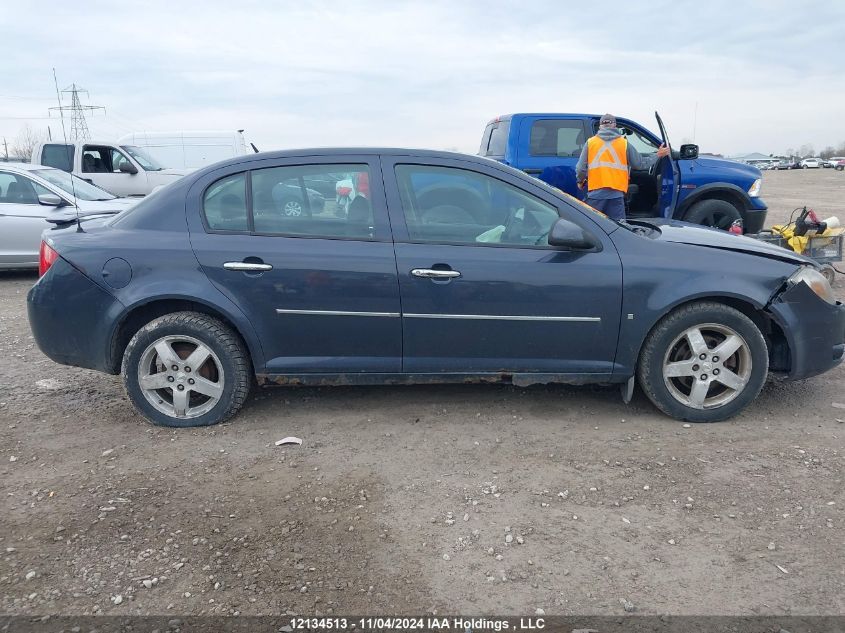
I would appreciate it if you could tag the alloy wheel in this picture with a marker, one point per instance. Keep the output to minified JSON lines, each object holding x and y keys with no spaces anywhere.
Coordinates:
{"x":292,"y":208}
{"x":707,"y":366}
{"x":181,"y":376}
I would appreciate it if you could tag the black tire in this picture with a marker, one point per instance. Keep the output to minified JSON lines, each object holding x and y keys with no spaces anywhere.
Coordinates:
{"x":228,"y":350}
{"x":716,"y":213}
{"x":661,"y":341}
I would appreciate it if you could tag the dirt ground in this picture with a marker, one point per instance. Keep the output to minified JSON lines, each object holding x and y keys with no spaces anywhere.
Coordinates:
{"x":461,"y":499}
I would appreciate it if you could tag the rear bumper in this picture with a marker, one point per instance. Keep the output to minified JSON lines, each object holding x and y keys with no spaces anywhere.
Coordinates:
{"x":71,"y":317}
{"x":814,"y":330}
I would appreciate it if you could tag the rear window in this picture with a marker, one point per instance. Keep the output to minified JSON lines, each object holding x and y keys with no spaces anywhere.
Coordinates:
{"x":496,"y":136}
{"x":557,"y":137}
{"x":224,"y":204}
{"x":58,"y":156}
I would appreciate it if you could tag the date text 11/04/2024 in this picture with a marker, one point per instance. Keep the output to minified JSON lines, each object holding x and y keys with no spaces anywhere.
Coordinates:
{"x":417,"y":624}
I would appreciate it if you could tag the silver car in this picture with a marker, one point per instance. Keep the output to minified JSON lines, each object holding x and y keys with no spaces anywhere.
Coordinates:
{"x":31,"y":195}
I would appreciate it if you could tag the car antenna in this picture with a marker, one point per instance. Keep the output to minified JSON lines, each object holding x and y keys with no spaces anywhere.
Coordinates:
{"x":67,"y":153}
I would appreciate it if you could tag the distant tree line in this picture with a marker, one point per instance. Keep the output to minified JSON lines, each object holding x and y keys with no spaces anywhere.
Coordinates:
{"x":807,"y":151}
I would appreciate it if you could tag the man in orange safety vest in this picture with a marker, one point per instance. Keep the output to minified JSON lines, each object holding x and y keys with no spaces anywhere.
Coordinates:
{"x":605,"y":164}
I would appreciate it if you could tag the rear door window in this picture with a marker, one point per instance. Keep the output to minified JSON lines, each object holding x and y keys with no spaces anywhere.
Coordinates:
{"x":496,"y":139}
{"x":313,"y":201}
{"x":326,"y":200}
{"x":58,"y":156}
{"x":557,"y":137}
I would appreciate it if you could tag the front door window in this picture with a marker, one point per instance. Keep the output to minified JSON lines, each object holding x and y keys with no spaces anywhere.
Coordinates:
{"x":459,"y":206}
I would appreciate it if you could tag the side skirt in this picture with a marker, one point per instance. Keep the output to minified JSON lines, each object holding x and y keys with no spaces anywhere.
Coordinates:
{"x":508,"y":378}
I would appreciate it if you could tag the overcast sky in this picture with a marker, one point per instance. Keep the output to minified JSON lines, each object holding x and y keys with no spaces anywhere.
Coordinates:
{"x":766,"y":75}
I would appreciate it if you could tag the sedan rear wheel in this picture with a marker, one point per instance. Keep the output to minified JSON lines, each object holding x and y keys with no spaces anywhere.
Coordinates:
{"x":703,"y":363}
{"x":186,"y":369}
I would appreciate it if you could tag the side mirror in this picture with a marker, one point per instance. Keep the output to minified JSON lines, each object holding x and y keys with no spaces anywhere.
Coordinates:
{"x":569,"y":236}
{"x":688,"y":152}
{"x":127,"y":168}
{"x":50,"y":200}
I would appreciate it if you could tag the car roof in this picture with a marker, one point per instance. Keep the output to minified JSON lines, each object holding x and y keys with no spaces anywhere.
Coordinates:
{"x":23,"y":166}
{"x":355,"y":151}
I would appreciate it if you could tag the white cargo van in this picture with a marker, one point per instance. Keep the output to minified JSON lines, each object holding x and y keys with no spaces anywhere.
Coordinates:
{"x":121,"y":169}
{"x":189,"y":150}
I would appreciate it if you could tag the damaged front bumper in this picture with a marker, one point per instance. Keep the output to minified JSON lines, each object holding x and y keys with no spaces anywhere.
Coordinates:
{"x":814,"y":331}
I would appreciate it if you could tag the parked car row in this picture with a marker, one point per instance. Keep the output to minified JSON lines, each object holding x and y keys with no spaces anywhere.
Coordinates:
{"x":836,"y":162}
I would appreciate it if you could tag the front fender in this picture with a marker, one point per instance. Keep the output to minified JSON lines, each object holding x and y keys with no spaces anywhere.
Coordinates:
{"x":661,"y":276}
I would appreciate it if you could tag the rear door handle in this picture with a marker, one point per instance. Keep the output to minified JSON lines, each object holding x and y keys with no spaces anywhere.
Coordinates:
{"x":247,"y":266}
{"x":429,"y":273}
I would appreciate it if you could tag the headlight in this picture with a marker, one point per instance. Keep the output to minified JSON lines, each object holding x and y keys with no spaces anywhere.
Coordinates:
{"x":816,"y":282}
{"x":754,"y":191}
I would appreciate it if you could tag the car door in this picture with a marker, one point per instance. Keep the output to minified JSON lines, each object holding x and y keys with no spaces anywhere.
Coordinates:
{"x":670,"y":177}
{"x":549,"y":149}
{"x":101,"y":166}
{"x":22,"y":219}
{"x":481,"y":289}
{"x":318,"y":281}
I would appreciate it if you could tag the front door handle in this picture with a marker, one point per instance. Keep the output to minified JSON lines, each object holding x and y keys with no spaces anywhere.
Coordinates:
{"x":249,"y":267}
{"x":429,"y":273}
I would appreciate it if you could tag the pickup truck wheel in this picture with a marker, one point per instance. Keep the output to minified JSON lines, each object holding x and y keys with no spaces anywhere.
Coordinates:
{"x":703,"y":363}
{"x":186,"y":369}
{"x":716,"y":213}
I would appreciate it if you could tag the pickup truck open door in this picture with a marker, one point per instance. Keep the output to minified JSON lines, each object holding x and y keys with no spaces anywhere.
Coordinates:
{"x":668,"y":177}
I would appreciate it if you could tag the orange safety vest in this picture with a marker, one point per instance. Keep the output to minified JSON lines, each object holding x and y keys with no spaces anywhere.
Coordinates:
{"x":607,"y":164}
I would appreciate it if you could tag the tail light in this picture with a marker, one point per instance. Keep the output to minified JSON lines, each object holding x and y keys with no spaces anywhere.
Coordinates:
{"x":46,"y":257}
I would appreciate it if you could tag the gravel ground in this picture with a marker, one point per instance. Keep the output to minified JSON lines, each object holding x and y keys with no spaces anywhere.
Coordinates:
{"x":470,"y":499}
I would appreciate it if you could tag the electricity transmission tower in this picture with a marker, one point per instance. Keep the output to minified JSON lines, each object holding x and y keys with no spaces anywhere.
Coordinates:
{"x":78,"y":126}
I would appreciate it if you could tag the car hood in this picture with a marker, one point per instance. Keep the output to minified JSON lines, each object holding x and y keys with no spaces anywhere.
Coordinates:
{"x":714,"y":162}
{"x":697,"y":235}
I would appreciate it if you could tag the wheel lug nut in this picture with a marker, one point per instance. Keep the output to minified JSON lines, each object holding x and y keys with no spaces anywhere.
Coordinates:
{"x":702,"y":357}
{"x":704,"y":376}
{"x":175,"y":367}
{"x":170,"y":379}
{"x":715,"y":372}
{"x":191,"y":380}
{"x":715,"y":359}
{"x":180,"y":387}
{"x":187,"y":369}
{"x":695,"y":367}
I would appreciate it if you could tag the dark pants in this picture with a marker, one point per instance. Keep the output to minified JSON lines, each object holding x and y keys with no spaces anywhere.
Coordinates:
{"x":611,"y":207}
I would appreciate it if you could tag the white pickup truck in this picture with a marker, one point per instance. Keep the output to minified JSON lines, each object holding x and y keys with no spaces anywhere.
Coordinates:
{"x":123,"y":170}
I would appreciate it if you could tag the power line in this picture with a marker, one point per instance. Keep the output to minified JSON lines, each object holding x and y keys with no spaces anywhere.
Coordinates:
{"x":78,"y":126}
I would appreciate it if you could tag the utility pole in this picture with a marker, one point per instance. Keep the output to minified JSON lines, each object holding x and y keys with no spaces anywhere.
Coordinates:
{"x":78,"y":126}
{"x":5,"y":148}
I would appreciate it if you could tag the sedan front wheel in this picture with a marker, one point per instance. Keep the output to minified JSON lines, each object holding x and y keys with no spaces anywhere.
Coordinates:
{"x":703,"y":363}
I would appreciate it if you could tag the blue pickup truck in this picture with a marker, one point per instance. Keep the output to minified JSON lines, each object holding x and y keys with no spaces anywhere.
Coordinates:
{"x":685,"y":186}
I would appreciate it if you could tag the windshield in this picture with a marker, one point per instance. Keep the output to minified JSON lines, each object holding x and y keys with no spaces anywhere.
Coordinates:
{"x":145,"y":160}
{"x":84,"y":190}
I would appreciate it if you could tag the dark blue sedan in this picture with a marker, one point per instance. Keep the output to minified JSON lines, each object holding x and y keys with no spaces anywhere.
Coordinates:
{"x":444,"y":268}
